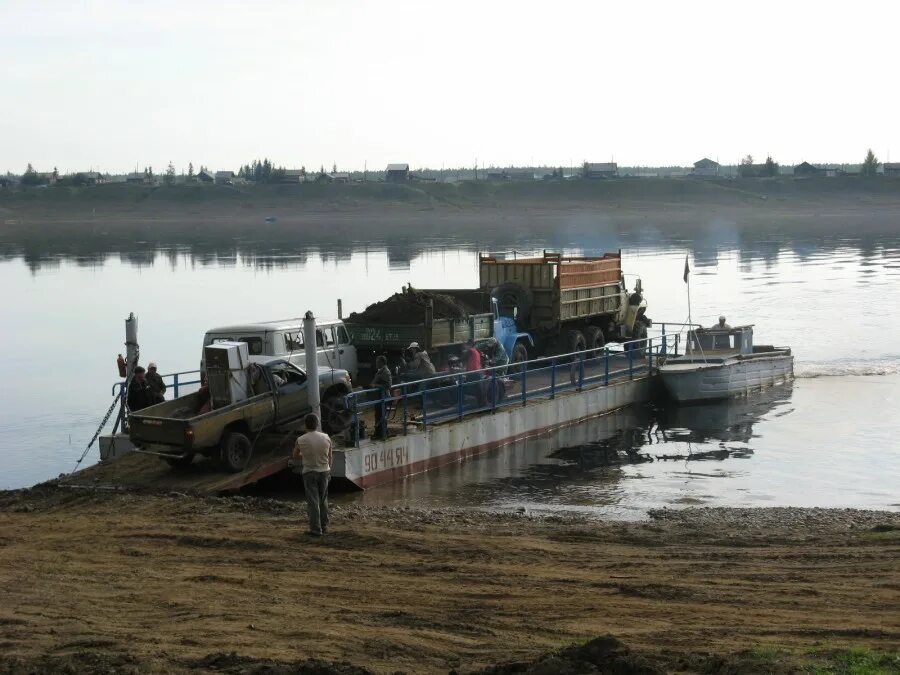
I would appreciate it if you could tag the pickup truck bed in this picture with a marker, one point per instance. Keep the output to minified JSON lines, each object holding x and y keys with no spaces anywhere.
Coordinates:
{"x":179,"y":431}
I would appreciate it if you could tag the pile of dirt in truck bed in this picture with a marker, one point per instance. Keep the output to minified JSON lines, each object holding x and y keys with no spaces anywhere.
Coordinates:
{"x":408,"y":307}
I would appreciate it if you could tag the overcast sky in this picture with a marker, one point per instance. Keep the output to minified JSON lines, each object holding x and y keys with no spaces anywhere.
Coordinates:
{"x":118,"y":85}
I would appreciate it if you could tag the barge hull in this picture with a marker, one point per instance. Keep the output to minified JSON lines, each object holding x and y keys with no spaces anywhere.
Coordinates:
{"x":698,"y":382}
{"x":378,"y":462}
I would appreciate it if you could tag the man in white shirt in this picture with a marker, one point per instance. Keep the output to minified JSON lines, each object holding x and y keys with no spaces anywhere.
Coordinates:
{"x":314,"y":449}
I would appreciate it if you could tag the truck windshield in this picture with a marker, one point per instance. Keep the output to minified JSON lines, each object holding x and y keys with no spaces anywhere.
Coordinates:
{"x":293,"y":342}
{"x":284,"y":375}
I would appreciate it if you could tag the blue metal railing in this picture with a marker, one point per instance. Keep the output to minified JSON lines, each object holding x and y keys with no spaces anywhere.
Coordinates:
{"x":173,"y":385}
{"x":457,"y":395}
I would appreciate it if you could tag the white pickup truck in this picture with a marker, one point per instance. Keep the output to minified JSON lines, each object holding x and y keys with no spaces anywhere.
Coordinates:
{"x":284,"y":339}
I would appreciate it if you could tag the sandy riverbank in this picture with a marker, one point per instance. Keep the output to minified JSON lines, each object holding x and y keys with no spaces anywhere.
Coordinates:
{"x":172,"y":583}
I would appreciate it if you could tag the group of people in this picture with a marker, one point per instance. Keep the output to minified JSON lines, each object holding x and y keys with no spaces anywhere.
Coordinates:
{"x":419,"y":366}
{"x":146,"y":388}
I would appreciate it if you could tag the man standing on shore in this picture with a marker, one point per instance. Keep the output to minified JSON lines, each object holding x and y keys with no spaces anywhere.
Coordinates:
{"x":314,"y":449}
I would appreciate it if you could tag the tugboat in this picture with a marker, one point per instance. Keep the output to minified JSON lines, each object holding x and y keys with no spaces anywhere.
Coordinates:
{"x":722,"y":362}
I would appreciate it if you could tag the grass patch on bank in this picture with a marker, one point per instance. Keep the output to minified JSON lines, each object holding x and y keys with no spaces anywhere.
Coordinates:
{"x":819,"y":661}
{"x":854,"y":661}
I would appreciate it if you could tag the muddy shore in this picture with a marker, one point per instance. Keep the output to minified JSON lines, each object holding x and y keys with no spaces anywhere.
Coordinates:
{"x":95,"y":581}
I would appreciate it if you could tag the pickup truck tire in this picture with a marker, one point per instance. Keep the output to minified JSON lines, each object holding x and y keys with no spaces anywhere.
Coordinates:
{"x":180,"y":462}
{"x":234,"y":451}
{"x":336,"y":418}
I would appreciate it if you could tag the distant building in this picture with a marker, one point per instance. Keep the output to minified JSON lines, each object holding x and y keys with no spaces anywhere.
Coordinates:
{"x":497,"y":175}
{"x":600,"y":170}
{"x":137,"y":177}
{"x":397,"y":173}
{"x":293,"y":176}
{"x":206,"y":177}
{"x":92,"y":177}
{"x":520,"y":174}
{"x":8,"y":181}
{"x":224,"y":177}
{"x":807,"y":169}
{"x":705,"y":168}
{"x":340,"y":177}
{"x":892,"y":169}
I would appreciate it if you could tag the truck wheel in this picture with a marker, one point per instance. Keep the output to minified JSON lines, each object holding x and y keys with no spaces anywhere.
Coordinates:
{"x":335,"y":416}
{"x":234,"y":451}
{"x":641,"y":334}
{"x":519,"y":356}
{"x":594,"y":338}
{"x":180,"y":462}
{"x":575,"y":341}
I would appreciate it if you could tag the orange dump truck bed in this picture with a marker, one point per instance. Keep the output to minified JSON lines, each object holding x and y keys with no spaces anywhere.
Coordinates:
{"x":557,"y":288}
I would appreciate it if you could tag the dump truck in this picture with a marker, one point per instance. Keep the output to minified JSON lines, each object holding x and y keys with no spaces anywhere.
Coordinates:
{"x":439,"y":320}
{"x":566,"y":303}
{"x":179,"y":429}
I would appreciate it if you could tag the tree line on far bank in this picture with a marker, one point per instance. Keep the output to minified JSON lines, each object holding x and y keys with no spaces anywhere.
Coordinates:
{"x":265,"y":171}
{"x":747,"y":169}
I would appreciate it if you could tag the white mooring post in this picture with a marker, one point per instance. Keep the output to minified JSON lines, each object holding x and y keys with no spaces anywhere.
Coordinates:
{"x":312,"y":364}
{"x":132,"y":349}
{"x":132,"y":354}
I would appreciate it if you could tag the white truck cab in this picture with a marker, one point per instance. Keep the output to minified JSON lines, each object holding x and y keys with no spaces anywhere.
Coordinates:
{"x":284,"y":339}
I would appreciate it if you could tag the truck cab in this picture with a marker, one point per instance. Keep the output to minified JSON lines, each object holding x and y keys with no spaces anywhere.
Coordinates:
{"x":516,"y":344}
{"x":284,"y":339}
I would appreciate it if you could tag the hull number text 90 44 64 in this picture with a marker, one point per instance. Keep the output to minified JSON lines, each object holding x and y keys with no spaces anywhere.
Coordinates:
{"x":386,"y":458}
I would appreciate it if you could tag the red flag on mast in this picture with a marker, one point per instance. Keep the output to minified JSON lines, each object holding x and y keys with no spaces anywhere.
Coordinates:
{"x":687,"y":269}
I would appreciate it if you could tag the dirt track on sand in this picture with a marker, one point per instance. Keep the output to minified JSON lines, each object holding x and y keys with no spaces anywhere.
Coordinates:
{"x":174,"y":583}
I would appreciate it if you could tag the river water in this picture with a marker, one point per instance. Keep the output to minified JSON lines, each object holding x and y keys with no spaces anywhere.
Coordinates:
{"x":829,"y":439}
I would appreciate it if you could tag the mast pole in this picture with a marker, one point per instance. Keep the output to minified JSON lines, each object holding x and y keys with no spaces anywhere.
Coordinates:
{"x":687,"y":280}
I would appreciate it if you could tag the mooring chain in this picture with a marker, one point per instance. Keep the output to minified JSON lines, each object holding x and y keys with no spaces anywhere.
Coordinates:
{"x":97,"y":433}
{"x":118,"y":396}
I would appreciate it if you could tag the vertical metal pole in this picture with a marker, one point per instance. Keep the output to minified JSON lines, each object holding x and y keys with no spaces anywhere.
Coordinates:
{"x":424,"y":409}
{"x":606,"y":363}
{"x":405,"y":398}
{"x":553,"y":377}
{"x":132,"y":355}
{"x":631,"y":364}
{"x":677,"y":340}
{"x":460,"y":395}
{"x":690,"y":320}
{"x":524,"y":384}
{"x":175,"y":385}
{"x":580,"y":371}
{"x":650,"y":353}
{"x":663,"y":349}
{"x":355,"y":420}
{"x":383,"y":405}
{"x":493,"y":390}
{"x":312,"y":364}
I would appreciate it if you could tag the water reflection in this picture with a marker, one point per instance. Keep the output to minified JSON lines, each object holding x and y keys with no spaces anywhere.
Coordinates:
{"x":589,"y":466}
{"x":281,"y":247}
{"x":800,"y":284}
